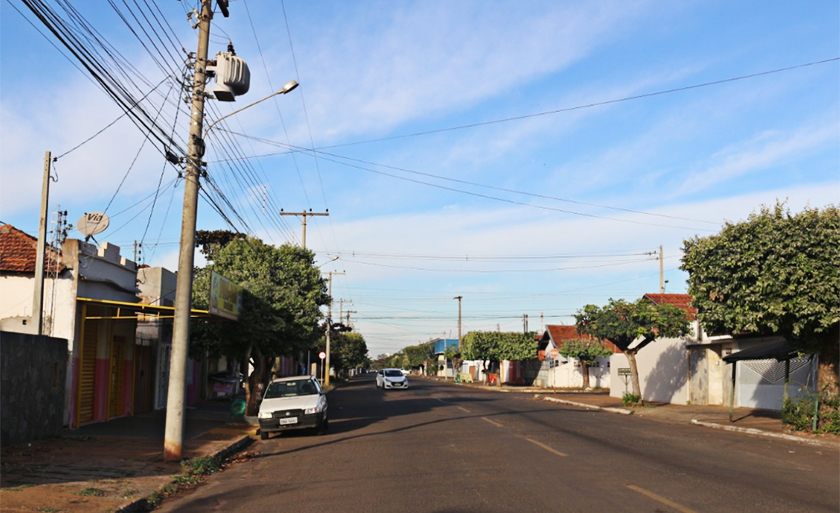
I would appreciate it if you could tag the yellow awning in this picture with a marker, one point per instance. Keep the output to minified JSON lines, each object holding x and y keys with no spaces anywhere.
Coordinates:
{"x":158,"y":311}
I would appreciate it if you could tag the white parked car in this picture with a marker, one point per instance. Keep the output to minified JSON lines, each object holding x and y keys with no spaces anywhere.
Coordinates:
{"x":293,"y":403}
{"x":391,"y":378}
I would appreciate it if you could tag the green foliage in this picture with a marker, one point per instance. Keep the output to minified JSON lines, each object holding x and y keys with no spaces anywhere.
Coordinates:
{"x":799,"y":413}
{"x":585,"y":349}
{"x":93,"y":492}
{"x":418,"y":355}
{"x":283,"y":293}
{"x":630,"y":399}
{"x":496,"y":346}
{"x":347,"y":350}
{"x":201,"y":466}
{"x":622,"y":322}
{"x":773,"y":273}
{"x":209,"y":242}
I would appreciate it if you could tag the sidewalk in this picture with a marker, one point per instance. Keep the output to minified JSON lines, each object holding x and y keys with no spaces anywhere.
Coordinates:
{"x":111,"y":466}
{"x":766,"y":423}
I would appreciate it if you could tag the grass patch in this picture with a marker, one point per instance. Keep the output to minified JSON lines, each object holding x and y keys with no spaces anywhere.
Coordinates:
{"x":202,"y":466}
{"x":93,"y":492}
{"x":19,"y":487}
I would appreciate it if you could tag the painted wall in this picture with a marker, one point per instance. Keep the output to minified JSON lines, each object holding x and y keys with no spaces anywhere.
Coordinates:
{"x":663,"y":371}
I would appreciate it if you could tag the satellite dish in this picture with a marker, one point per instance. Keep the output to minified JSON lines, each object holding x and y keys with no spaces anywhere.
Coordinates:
{"x":92,"y":223}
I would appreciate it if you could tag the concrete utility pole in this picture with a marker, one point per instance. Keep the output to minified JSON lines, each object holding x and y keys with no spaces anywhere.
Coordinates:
{"x":40,"y":256}
{"x":525,"y":323}
{"x":459,"y":298}
{"x":304,"y":215}
{"x":329,"y":329}
{"x":341,"y":307}
{"x":661,"y":272}
{"x":174,"y":433}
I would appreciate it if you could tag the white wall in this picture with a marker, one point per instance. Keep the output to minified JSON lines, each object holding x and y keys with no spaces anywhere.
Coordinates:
{"x":567,"y":374}
{"x":663,"y":371}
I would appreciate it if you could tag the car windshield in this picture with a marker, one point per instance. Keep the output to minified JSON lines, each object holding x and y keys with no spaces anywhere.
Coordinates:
{"x":393,"y":373}
{"x":290,"y":388}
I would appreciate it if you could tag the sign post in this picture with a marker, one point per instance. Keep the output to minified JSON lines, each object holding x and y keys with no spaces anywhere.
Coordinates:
{"x":624,"y":374}
{"x":322,"y":355}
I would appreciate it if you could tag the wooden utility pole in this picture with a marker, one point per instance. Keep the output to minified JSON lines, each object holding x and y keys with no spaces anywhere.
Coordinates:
{"x":304,"y":215}
{"x":40,"y":256}
{"x":174,"y":432}
{"x":329,"y":329}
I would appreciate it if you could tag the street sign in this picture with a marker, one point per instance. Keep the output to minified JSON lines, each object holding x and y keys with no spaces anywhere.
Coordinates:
{"x":554,"y":353}
{"x":322,"y":355}
{"x":624,"y":371}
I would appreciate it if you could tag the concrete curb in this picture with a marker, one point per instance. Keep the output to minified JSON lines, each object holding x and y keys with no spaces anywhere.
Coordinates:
{"x":584,"y":405}
{"x":759,"y":432}
{"x":142,"y":503}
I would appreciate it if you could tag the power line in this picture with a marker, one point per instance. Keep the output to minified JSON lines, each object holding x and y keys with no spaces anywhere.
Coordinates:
{"x":586,"y":106}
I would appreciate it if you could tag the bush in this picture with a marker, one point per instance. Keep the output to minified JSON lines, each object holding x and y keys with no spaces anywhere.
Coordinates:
{"x":201,"y":466}
{"x":630,"y":399}
{"x":799,"y":414}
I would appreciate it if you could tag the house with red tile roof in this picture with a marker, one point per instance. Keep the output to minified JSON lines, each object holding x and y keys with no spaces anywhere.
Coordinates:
{"x":691,"y":368}
{"x":562,"y":372}
{"x":86,"y":289}
{"x":663,"y":364}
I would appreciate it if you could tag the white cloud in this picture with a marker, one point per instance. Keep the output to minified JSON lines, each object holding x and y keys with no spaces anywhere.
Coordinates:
{"x":767,"y":150}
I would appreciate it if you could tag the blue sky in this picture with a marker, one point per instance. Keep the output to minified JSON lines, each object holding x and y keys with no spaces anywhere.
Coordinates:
{"x":431,"y":193}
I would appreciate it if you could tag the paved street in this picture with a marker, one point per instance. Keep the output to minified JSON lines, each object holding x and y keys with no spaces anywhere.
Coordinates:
{"x":441,"y":448}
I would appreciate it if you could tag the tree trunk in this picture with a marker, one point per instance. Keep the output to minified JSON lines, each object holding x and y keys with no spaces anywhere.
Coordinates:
{"x":584,"y":369}
{"x":634,"y":374}
{"x":828,"y":380}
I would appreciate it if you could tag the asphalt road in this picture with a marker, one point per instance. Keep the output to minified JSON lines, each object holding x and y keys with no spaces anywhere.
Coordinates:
{"x":443,"y":448}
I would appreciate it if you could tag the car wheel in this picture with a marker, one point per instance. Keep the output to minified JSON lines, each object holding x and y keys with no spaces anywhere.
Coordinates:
{"x":263,"y":435}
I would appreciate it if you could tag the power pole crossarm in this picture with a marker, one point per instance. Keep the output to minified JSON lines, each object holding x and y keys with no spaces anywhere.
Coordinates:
{"x":304,"y":215}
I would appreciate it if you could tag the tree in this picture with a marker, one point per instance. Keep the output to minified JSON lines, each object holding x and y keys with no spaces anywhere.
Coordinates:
{"x":586,"y":350}
{"x":419,"y":356}
{"x":495,"y":346}
{"x":624,"y":323}
{"x":282,"y":295}
{"x":347,"y":350}
{"x":775,"y":273}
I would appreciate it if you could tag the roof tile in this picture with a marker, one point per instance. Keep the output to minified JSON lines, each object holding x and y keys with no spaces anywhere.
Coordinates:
{"x":18,"y":249}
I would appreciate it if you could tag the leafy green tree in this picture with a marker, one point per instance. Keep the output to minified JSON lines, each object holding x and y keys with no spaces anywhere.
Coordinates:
{"x":775,"y":273}
{"x":420,"y":355}
{"x":586,"y":350}
{"x":347,"y":351}
{"x":492,"y":347}
{"x":282,"y":295}
{"x":453,"y":354}
{"x":624,"y":323}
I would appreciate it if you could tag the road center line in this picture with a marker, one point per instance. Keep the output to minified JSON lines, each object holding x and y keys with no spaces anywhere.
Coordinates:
{"x":547,"y":448}
{"x":492,"y":422}
{"x":464,"y":409}
{"x":657,"y":498}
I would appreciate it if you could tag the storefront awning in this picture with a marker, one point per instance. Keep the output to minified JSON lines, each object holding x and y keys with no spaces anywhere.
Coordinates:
{"x":132,"y":309}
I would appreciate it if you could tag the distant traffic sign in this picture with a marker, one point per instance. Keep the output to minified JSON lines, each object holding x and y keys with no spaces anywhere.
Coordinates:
{"x":322,"y":355}
{"x":555,"y":353}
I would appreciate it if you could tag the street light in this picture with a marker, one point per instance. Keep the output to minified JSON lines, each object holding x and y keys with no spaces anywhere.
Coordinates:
{"x":333,"y":259}
{"x":290,"y":85}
